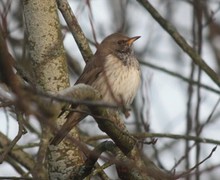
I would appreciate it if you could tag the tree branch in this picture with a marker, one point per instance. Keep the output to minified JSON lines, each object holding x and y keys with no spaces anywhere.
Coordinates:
{"x":177,"y":75}
{"x":180,"y":41}
{"x":161,"y":135}
{"x":18,"y":154}
{"x":75,"y":29}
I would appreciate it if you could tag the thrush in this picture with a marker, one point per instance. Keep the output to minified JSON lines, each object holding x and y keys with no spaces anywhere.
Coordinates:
{"x":114,"y":71}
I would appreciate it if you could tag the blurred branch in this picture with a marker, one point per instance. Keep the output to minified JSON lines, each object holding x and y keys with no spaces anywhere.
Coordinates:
{"x":7,"y":73}
{"x":202,"y":125}
{"x":21,"y":131}
{"x":14,"y":178}
{"x":208,"y":169}
{"x":214,"y":30}
{"x":16,"y":167}
{"x":99,"y":171}
{"x":198,"y":164}
{"x":86,"y":169}
{"x":64,"y":96}
{"x":17,"y":154}
{"x":73,"y":65}
{"x":75,"y":29}
{"x":180,"y":41}
{"x":174,"y":74}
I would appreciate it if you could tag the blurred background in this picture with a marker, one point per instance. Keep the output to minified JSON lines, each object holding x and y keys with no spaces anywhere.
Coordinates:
{"x":167,"y":101}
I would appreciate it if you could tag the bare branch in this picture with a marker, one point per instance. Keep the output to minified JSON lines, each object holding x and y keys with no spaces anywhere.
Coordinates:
{"x":177,"y":75}
{"x":20,"y":156}
{"x":21,"y":131}
{"x":75,"y":29}
{"x":181,"y":41}
{"x":160,"y":135}
{"x":194,"y":167}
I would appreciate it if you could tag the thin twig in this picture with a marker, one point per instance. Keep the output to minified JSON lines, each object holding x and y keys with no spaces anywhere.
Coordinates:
{"x":21,"y":131}
{"x":161,"y":135}
{"x":22,"y":158}
{"x":210,"y":116}
{"x":177,"y":75}
{"x":198,"y":164}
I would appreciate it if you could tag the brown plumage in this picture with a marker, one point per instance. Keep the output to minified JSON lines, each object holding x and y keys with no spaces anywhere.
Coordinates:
{"x":113,"y":71}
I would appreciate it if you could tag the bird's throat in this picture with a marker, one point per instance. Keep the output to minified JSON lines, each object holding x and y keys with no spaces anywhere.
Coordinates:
{"x":127,"y":59}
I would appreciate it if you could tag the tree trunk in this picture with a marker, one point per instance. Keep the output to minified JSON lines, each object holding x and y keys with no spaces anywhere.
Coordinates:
{"x":50,"y":69}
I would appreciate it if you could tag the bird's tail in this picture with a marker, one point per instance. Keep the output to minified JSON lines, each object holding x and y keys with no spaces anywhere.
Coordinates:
{"x":72,"y":120}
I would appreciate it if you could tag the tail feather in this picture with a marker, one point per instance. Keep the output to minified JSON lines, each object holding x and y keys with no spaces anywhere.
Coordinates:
{"x":72,"y":120}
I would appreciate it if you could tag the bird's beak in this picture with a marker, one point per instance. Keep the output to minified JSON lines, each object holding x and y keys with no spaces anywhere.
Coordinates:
{"x":131,"y":40}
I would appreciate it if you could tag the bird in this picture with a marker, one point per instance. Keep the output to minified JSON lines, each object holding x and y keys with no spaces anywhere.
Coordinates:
{"x":114,"y":71}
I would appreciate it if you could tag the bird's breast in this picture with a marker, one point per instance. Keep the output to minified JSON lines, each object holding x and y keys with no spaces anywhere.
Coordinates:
{"x":121,"y":80}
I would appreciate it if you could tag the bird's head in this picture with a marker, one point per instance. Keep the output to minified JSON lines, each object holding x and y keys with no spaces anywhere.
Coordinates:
{"x":117,"y":44}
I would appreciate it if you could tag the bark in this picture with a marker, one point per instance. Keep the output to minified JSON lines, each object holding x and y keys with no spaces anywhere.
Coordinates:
{"x":50,"y":69}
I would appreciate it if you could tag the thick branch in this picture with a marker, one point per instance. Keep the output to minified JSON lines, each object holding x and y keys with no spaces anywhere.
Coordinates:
{"x":126,"y":143}
{"x":181,"y":41}
{"x":125,"y":167}
{"x":75,"y":29}
{"x":111,"y":123}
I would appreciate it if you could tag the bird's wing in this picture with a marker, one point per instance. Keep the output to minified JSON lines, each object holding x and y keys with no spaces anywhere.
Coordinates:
{"x":73,"y":118}
{"x":92,"y":70}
